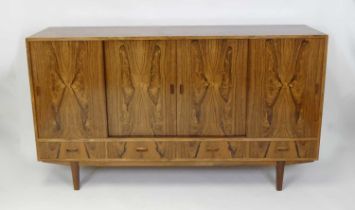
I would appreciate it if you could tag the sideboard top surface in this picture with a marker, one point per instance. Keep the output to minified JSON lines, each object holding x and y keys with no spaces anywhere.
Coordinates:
{"x":175,"y":32}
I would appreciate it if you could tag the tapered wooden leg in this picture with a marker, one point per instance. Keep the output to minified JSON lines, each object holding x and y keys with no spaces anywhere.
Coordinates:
{"x":280,"y":166}
{"x":75,"y":174}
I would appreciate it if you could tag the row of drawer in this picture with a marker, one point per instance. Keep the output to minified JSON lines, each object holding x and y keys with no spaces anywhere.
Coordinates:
{"x":177,"y":150}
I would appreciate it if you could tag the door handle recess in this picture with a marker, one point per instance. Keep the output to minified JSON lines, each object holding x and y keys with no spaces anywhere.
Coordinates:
{"x":181,"y":89}
{"x":172,"y":89}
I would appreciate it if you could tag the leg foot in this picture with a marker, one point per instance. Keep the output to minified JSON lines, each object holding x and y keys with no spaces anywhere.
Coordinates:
{"x":280,"y":166}
{"x":75,"y":174}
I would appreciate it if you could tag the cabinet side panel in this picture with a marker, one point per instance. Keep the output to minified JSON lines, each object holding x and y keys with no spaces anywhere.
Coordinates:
{"x":285,"y":87}
{"x":69,"y":89}
{"x":29,"y":64}
{"x":141,"y":83}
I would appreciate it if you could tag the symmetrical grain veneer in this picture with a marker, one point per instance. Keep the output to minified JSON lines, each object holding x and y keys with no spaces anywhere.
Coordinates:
{"x":177,"y":96}
{"x":177,"y":150}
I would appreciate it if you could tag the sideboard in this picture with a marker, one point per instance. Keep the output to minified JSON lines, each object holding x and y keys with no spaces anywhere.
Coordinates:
{"x":177,"y":95}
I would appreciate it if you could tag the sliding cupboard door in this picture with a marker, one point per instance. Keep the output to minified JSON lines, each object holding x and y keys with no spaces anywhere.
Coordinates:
{"x":141,"y":82}
{"x":212,"y":77}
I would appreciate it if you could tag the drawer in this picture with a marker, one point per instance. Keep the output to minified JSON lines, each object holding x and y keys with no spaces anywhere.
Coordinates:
{"x":133,"y":150}
{"x":215,"y":150}
{"x":283,"y":149}
{"x":151,"y":149}
{"x":141,"y":150}
{"x":71,"y":150}
{"x":176,"y":150}
{"x":48,"y":150}
{"x":212,"y":150}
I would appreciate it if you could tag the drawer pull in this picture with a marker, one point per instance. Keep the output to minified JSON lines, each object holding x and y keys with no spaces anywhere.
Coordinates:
{"x":212,"y":149}
{"x":282,"y":148}
{"x":141,"y":149}
{"x":72,"y":150}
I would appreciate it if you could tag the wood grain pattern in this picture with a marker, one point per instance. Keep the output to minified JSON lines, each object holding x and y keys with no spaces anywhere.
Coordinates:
{"x":179,"y":163}
{"x":176,"y":138}
{"x":177,"y":96}
{"x":238,"y":149}
{"x":48,"y":150}
{"x":178,"y":150}
{"x":213,"y":76}
{"x":69,"y":89}
{"x":116,"y":149}
{"x":307,"y":149}
{"x":33,"y":100}
{"x":151,"y":149}
{"x":144,"y":150}
{"x":140,"y":75}
{"x":95,"y":150}
{"x":283,"y":149}
{"x":214,"y":150}
{"x":176,"y":32}
{"x":285,"y":87}
{"x":72,"y":150}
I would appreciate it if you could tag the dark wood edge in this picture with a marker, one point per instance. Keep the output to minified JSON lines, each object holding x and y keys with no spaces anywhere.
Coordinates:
{"x":182,"y":164}
{"x":242,"y":139}
{"x":324,"y":67}
{"x":321,"y":36}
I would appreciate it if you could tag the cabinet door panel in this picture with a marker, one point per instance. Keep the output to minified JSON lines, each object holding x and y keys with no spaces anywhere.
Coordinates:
{"x":69,"y":91}
{"x":285,"y":90}
{"x":212,"y":98}
{"x":141,"y":80}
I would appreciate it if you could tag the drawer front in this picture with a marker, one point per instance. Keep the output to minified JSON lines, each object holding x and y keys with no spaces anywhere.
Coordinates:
{"x":152,"y":150}
{"x":283,"y":149}
{"x":71,"y":150}
{"x":141,"y":150}
{"x":174,"y":150}
{"x":214,"y":150}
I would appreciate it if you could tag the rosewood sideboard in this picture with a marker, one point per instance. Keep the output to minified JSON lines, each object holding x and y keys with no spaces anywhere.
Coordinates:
{"x":177,"y":96}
